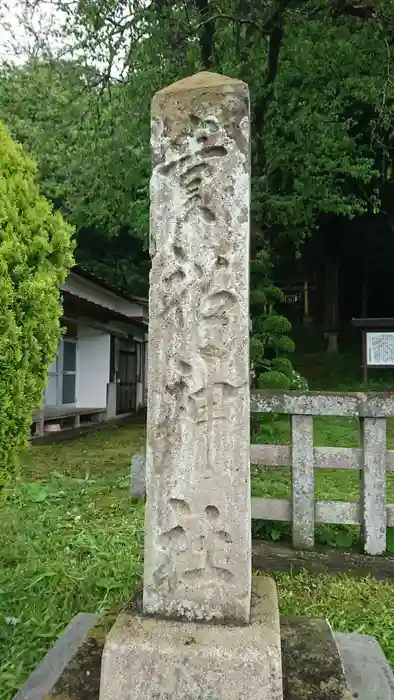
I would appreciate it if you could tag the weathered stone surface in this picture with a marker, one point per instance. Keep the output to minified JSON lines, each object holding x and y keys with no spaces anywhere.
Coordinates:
{"x":324,"y":457}
{"x":367,"y":670}
{"x":373,"y":484}
{"x":198,"y":541}
{"x":312,"y":666}
{"x":148,"y":658}
{"x":374,"y":405}
{"x":303,"y":482}
{"x":137,"y":488}
{"x":41,"y":681}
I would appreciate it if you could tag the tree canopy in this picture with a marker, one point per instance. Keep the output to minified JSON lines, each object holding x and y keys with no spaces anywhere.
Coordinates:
{"x":321,"y":95}
{"x":320,"y":78}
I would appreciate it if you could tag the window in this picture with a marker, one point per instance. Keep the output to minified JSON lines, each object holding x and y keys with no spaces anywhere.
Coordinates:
{"x":61,"y":382}
{"x":69,"y":370}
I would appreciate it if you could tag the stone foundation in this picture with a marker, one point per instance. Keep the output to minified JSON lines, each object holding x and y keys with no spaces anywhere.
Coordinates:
{"x":145,"y":657}
{"x":312,"y":666}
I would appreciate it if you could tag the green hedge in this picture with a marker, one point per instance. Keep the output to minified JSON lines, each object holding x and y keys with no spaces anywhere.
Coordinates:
{"x":36,"y":248}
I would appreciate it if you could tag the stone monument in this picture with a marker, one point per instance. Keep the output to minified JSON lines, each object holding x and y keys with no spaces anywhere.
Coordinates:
{"x":198,"y":637}
{"x":198,"y":540}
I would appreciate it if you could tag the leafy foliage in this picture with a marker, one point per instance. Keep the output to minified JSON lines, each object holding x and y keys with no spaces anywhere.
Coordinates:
{"x":92,"y":151}
{"x":35,"y":255}
{"x":270,"y":342}
{"x":322,"y":109}
{"x":316,"y":113}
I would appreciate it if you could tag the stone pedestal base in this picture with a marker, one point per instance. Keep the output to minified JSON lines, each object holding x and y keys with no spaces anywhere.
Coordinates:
{"x":311,"y":663}
{"x":150,"y":659}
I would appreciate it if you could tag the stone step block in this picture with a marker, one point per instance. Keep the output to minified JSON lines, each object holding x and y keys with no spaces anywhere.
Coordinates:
{"x":367,"y":670}
{"x":41,"y":681}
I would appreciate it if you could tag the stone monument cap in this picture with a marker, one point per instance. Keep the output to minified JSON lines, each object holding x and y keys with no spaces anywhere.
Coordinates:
{"x":203,"y":80}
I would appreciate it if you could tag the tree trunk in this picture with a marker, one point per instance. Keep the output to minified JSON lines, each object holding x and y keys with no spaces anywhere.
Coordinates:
{"x":331,"y":303}
{"x":364,"y":293}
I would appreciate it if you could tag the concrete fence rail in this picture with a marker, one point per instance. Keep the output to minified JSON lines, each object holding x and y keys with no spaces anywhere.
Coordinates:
{"x":372,"y":460}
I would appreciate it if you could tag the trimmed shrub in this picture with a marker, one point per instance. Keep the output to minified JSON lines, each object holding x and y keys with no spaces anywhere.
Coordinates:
{"x":35,"y":256}
{"x":269,"y":341}
{"x":273,"y":380}
{"x":283,"y":365}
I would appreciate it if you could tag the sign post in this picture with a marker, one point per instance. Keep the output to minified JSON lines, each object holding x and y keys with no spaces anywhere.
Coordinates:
{"x":378,"y":343}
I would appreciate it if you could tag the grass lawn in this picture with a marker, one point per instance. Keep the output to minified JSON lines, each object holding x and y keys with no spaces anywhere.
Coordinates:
{"x":71,"y":541}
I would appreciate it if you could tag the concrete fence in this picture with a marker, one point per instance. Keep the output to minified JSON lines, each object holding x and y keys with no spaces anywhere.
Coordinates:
{"x":371,"y":459}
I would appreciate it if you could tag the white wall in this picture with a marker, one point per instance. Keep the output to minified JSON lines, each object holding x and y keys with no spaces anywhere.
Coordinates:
{"x":93,"y":359}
